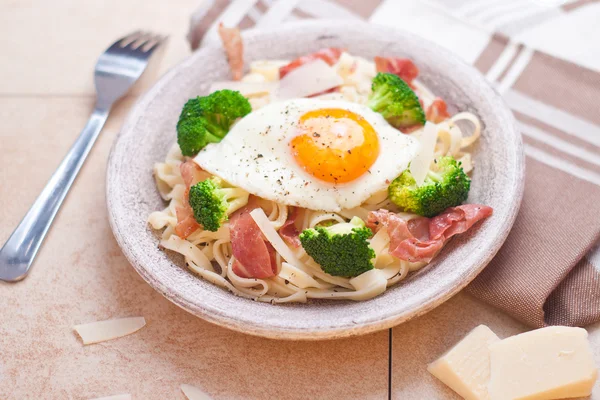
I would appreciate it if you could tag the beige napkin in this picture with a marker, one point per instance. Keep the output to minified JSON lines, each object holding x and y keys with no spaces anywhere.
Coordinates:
{"x":544,"y":274}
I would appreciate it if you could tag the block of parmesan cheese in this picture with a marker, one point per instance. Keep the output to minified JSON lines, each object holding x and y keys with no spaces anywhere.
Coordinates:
{"x":465,"y":367}
{"x":549,"y":363}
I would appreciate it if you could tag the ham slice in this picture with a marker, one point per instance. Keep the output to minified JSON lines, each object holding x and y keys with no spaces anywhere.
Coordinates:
{"x":255,"y":256}
{"x":330,"y":55}
{"x":186,"y":223}
{"x":408,"y":242}
{"x":456,"y":220}
{"x":437,"y":111}
{"x":234,"y":48}
{"x":403,"y":67}
{"x":415,"y":250}
{"x":288,"y":231}
{"x":190,"y":172}
{"x":420,"y":239}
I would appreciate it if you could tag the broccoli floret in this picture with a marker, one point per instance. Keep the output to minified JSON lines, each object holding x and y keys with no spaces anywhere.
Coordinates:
{"x":396,"y":101}
{"x":212,"y":202}
{"x":447,"y":186}
{"x":207,"y":119}
{"x":193,"y":134}
{"x":341,"y":249}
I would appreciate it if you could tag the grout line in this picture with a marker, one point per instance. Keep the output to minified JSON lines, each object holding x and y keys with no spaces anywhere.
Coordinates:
{"x":390,"y":364}
{"x":48,"y":95}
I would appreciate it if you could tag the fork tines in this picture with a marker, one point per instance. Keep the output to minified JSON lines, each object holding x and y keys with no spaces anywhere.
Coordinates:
{"x":144,"y":41}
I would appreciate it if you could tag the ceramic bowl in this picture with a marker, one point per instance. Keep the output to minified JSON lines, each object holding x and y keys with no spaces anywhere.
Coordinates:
{"x":149,"y":131}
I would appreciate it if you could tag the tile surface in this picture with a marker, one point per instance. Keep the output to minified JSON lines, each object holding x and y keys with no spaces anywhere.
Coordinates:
{"x":53,"y":45}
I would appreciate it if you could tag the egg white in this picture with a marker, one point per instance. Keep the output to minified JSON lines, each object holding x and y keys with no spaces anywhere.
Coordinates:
{"x":256,"y":156}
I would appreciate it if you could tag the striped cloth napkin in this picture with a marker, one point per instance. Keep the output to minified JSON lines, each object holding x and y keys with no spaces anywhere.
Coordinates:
{"x":543,"y":56}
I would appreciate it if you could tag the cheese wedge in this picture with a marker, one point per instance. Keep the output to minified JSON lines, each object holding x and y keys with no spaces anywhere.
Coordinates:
{"x":549,"y":363}
{"x":466,"y":367}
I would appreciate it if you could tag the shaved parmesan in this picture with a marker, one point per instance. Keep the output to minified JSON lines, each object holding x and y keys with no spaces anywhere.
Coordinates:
{"x":359,"y":212}
{"x":423,"y":93}
{"x":379,"y":241}
{"x":115,"y":397}
{"x":248,"y":89}
{"x":254,"y":78}
{"x":312,"y":78}
{"x":419,"y":166}
{"x":193,"y":393}
{"x":101,"y":331}
{"x":268,"y":69}
{"x":264,"y":224}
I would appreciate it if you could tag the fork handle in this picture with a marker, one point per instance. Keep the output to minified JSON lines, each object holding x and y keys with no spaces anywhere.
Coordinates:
{"x":18,"y":253}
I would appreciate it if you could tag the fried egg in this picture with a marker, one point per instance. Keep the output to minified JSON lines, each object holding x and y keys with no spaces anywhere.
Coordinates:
{"x":318,"y":154}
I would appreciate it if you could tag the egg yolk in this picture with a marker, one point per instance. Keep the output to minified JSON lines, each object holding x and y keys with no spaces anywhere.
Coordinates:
{"x":335,"y":145}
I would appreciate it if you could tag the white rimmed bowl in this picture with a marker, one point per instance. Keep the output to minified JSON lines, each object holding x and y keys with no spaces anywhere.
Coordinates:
{"x":150,"y":130}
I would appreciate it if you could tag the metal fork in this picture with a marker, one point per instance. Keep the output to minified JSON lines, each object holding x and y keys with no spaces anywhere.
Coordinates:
{"x":116,"y":71}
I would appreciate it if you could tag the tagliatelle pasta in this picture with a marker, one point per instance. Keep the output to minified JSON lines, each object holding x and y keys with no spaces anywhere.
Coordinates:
{"x":298,"y":277}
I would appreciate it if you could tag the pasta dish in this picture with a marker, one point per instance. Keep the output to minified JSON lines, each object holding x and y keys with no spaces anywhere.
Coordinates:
{"x":330,"y":176}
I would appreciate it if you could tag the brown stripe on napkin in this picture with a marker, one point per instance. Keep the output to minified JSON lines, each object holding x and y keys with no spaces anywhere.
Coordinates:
{"x":262,"y":6}
{"x":576,"y":4}
{"x":559,"y":134}
{"x":576,"y":301}
{"x":562,"y":84}
{"x":301,"y":14}
{"x":514,"y":58}
{"x":551,"y":235}
{"x":202,"y":19}
{"x":361,"y":8}
{"x":563,"y":156}
{"x":246,"y":23}
{"x":490,"y":54}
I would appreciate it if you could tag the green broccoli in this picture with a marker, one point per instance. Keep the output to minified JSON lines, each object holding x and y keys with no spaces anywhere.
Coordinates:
{"x":447,"y":186}
{"x":341,"y":249}
{"x":396,"y":101}
{"x":205,"y":120}
{"x":212,"y":201}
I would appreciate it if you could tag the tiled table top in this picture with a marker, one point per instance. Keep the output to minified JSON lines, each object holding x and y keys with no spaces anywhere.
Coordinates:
{"x":46,"y":94}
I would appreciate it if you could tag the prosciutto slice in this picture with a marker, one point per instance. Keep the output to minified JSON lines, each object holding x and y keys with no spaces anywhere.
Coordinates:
{"x":456,"y":220}
{"x":255,"y":257}
{"x":437,"y":111}
{"x":288,"y":231}
{"x":191,"y":173}
{"x":420,"y":239}
{"x":234,"y":48}
{"x":403,"y":67}
{"x":330,"y":55}
{"x":186,"y":223}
